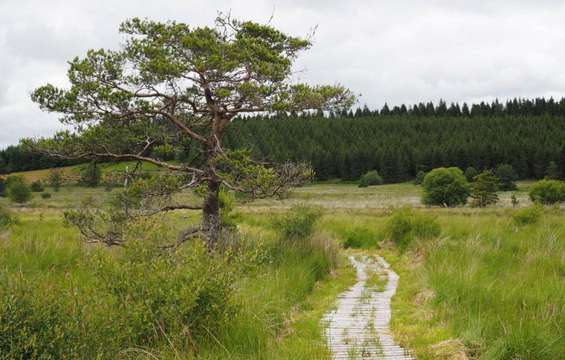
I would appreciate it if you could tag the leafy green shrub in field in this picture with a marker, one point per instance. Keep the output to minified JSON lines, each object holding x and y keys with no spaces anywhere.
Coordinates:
{"x":405,"y":225}
{"x":547,"y":192}
{"x":139,"y":298}
{"x":298,"y":224}
{"x":55,"y":179}
{"x":514,"y":200}
{"x":296,"y":230}
{"x":18,"y":191}
{"x":360,"y":237}
{"x":530,"y":215}
{"x":37,"y":186}
{"x":506,"y":174}
{"x":445,"y":187}
{"x":6,"y":218}
{"x":370,"y":178}
{"x":12,"y":179}
{"x":470,"y":174}
{"x":45,"y":195}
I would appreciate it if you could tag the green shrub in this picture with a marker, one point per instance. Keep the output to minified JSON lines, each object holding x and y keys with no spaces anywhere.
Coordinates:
{"x":298,"y":224}
{"x":45,"y":195}
{"x":297,"y":239}
{"x":137,"y":298}
{"x":371,"y":178}
{"x":530,"y":215}
{"x":37,"y":186}
{"x":404,"y":226}
{"x":18,"y":191}
{"x":514,"y":200}
{"x":12,"y":179}
{"x":360,"y":237}
{"x":7,"y":218}
{"x":55,"y":179}
{"x":547,"y":192}
{"x":470,"y":174}
{"x":90,"y":175}
{"x":445,"y":187}
{"x":506,"y":174}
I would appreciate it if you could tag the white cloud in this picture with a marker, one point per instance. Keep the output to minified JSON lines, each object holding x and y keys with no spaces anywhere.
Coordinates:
{"x":393,"y":51}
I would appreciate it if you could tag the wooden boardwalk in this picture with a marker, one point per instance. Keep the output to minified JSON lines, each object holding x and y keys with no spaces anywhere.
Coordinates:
{"x":359,"y":327}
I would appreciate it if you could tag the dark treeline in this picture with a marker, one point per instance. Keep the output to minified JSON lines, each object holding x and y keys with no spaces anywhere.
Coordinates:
{"x":17,"y":158}
{"x":397,"y":141}
{"x":401,"y":145}
{"x":514,"y":107}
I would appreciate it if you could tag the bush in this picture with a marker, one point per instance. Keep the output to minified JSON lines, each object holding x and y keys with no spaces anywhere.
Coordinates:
{"x":470,"y":174}
{"x":298,"y":224}
{"x":527,"y":216}
{"x":18,"y":191}
{"x":371,"y":178}
{"x":137,"y":299}
{"x":37,"y":186}
{"x":445,"y":187}
{"x":514,"y":200}
{"x":7,"y":218}
{"x":45,"y":195}
{"x":547,"y":192}
{"x":506,"y":174}
{"x":55,"y":179}
{"x":404,"y":226}
{"x":360,"y":237}
{"x":90,"y":175}
{"x":12,"y":179}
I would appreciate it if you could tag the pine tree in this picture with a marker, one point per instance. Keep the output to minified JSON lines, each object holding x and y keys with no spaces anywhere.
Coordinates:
{"x":483,"y":190}
{"x":552,"y":171}
{"x":385,"y":110}
{"x":506,"y":176}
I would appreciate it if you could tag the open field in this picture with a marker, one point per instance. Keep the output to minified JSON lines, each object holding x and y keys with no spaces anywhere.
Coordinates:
{"x":485,"y":287}
{"x":332,"y":195}
{"x":346,"y":195}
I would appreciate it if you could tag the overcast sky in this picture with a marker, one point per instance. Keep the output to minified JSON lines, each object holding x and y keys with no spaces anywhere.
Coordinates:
{"x":395,"y":51}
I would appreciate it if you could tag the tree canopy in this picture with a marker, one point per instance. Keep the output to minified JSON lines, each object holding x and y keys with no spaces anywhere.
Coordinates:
{"x":445,"y":187}
{"x":173,"y":87}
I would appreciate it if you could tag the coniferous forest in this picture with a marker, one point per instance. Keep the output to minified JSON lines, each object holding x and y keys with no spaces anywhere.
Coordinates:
{"x":402,"y":141}
{"x":398,"y":142}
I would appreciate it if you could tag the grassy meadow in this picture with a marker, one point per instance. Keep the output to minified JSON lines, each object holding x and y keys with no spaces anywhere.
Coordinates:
{"x":476,"y":283}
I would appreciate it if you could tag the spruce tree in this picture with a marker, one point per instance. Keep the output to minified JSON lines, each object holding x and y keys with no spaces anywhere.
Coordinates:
{"x":483,"y":190}
{"x":506,"y":175}
{"x":552,"y":171}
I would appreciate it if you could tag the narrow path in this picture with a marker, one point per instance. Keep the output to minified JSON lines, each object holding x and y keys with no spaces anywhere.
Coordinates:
{"x":359,"y":327}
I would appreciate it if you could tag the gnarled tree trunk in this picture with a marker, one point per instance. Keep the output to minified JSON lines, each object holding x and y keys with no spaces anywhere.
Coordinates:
{"x":211,"y":220}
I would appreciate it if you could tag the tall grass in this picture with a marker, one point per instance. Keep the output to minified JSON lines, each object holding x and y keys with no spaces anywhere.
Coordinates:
{"x":61,"y":299}
{"x":58,"y":299}
{"x":294,"y":258}
{"x":496,"y":286}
